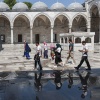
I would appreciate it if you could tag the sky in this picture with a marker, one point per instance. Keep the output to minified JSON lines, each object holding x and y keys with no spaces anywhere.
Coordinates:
{"x":50,"y":2}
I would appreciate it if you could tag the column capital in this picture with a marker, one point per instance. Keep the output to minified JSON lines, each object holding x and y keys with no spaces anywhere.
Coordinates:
{"x":31,"y":27}
{"x":70,"y":26}
{"x":52,"y":26}
{"x":11,"y":27}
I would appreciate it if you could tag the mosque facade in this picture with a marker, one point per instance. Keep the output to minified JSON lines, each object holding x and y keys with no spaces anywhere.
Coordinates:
{"x":41,"y":23}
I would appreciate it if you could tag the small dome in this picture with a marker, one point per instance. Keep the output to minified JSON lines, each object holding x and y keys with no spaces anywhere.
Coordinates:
{"x":39,"y":6}
{"x":58,"y":6}
{"x":3,"y":6}
{"x":20,"y":6}
{"x":75,"y":6}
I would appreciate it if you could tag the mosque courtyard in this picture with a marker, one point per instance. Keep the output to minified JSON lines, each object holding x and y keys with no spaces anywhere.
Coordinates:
{"x":17,"y":76}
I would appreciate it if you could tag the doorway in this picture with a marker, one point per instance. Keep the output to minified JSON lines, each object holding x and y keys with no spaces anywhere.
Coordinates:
{"x":37,"y":38}
{"x":19,"y":37}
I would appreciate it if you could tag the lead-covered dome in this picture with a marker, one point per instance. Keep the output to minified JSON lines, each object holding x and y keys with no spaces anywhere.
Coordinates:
{"x":39,"y":6}
{"x":20,"y":6}
{"x":58,"y":6}
{"x":75,"y":6}
{"x":4,"y":6}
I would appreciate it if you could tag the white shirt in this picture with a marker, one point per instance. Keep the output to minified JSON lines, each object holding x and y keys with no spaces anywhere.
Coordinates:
{"x":59,"y":50}
{"x":45,"y":47}
{"x":84,"y":48}
{"x":38,"y":49}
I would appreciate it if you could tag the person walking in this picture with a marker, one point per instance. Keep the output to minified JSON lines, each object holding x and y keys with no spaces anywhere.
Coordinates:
{"x":70,"y":53}
{"x":27,"y":50}
{"x":84,"y":51}
{"x":58,"y":60}
{"x":52,"y":53}
{"x":45,"y":50}
{"x":37,"y":56}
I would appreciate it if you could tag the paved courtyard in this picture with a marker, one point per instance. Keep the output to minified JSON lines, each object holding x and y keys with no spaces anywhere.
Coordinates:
{"x":11,"y":59}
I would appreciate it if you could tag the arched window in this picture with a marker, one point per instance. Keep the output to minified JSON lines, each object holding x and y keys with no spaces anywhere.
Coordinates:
{"x":88,"y":40}
{"x":65,"y":40}
{"x":61,"y":40}
{"x":78,"y":40}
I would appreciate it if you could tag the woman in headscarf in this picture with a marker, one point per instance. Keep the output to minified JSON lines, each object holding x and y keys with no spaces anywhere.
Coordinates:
{"x":58,"y":60}
{"x":27,"y":50}
{"x":45,"y":50}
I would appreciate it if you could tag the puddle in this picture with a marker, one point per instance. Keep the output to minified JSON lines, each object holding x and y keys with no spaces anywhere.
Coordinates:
{"x":50,"y":85}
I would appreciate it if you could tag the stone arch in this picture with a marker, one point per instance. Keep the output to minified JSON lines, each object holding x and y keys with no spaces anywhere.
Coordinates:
{"x":78,"y":40}
{"x":44,"y":14}
{"x":61,"y":24}
{"x":21,"y":28}
{"x":80,"y":14}
{"x":95,"y":21}
{"x":21,"y":14}
{"x":79,"y":23}
{"x":93,"y":4}
{"x":63,"y":14}
{"x":88,"y":40}
{"x":5,"y":26}
{"x":42,"y":28}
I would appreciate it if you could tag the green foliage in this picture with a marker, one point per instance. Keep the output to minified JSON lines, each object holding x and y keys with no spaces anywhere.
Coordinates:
{"x":10,"y":3}
{"x":28,"y":4}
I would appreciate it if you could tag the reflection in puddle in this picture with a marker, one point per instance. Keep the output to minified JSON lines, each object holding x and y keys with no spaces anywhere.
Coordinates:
{"x":49,"y":85}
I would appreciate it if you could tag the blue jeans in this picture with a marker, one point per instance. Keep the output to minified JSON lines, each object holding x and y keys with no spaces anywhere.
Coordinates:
{"x":27,"y":55}
{"x":45,"y":53}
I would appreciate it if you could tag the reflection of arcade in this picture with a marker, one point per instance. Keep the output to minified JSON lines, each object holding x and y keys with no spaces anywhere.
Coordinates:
{"x":84,"y":84}
{"x":57,"y":79}
{"x":37,"y":82}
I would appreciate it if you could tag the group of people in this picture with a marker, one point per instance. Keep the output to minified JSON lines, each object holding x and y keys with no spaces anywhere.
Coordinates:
{"x":56,"y":54}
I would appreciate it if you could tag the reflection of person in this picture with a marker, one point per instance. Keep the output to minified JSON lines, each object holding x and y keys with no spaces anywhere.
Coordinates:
{"x":57,"y":80}
{"x":24,"y":48}
{"x":37,"y":82}
{"x":70,"y":53}
{"x":27,"y":50}
{"x":37,"y":56}
{"x":84,"y":51}
{"x":84,"y":84}
{"x":45,"y":50}
{"x":70,"y":80}
{"x":58,"y":60}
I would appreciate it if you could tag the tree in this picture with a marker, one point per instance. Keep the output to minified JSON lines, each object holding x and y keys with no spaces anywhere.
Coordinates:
{"x":28,"y":4}
{"x":10,"y":3}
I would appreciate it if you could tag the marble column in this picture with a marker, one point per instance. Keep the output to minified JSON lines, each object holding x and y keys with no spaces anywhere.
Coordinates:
{"x":12,"y":35}
{"x":70,"y":28}
{"x":31,"y":35}
{"x":52,"y":33}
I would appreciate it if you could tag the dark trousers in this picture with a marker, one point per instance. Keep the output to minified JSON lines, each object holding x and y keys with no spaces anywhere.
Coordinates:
{"x":58,"y":58}
{"x":45,"y":53}
{"x":84,"y":58}
{"x":39,"y":63}
{"x":27,"y":55}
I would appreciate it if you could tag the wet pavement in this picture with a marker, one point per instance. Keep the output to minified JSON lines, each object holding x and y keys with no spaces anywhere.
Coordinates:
{"x":50,"y":85}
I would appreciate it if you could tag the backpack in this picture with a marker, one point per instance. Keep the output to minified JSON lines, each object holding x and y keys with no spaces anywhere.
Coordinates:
{"x":29,"y":49}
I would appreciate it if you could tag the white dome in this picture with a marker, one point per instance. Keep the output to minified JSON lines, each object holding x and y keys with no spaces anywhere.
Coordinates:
{"x":75,"y":6}
{"x":4,"y":6}
{"x":58,"y":6}
{"x":39,"y":6}
{"x":20,"y":6}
